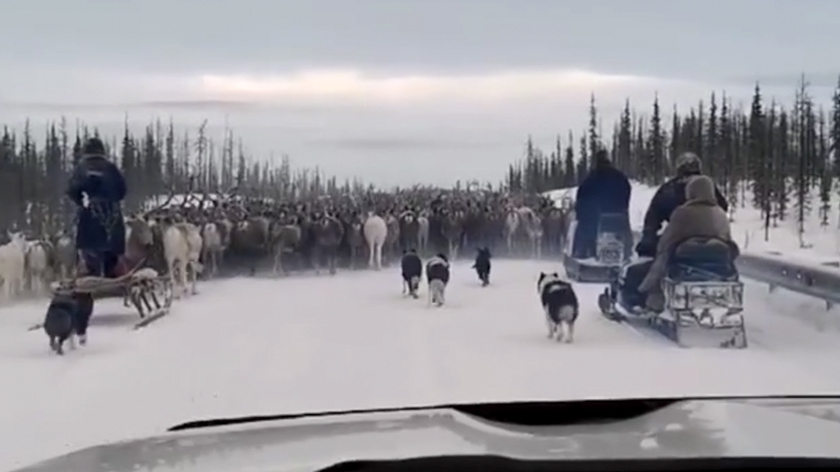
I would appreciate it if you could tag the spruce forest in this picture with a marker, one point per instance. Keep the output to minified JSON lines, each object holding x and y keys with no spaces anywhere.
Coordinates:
{"x":787,"y":158}
{"x":783,"y":162}
{"x":34,"y":173}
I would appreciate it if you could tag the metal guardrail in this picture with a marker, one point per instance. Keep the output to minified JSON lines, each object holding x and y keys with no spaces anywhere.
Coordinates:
{"x":776,"y":270}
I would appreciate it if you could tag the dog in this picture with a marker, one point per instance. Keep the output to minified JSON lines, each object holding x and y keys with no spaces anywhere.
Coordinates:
{"x":60,"y":322}
{"x":482,"y":266}
{"x":412,"y":272}
{"x":437,"y":275}
{"x":560,"y":304}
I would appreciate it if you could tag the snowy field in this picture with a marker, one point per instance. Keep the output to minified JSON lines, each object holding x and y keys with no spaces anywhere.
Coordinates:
{"x":259,"y":346}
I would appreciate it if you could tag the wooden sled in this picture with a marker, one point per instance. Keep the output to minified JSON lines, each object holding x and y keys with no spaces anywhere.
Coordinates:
{"x":148,"y":292}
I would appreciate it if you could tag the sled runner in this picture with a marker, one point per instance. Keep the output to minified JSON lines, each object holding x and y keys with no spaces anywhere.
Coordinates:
{"x":148,"y":292}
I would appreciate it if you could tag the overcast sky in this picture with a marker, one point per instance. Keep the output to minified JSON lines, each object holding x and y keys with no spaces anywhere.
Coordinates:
{"x":400,"y":91}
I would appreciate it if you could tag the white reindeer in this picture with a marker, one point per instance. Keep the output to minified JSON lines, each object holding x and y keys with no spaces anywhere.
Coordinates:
{"x":65,"y":256}
{"x":212,"y":248}
{"x":375,"y":231}
{"x":534,"y":229}
{"x":12,"y":265}
{"x":37,"y":267}
{"x":532,"y":226}
{"x":423,"y":231}
{"x":182,"y":248}
{"x":511,"y":226}
{"x":524,"y":218}
{"x":196,"y":243}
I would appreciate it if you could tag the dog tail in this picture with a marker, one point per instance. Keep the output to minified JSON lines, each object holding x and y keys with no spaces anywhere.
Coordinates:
{"x":560,"y":310}
{"x":567,"y":313}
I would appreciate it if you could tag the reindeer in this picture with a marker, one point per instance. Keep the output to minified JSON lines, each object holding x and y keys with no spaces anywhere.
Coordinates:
{"x":354,"y":236}
{"x":512,"y":222}
{"x":534,"y":227}
{"x":285,"y":239}
{"x":375,"y":231}
{"x":66,"y":257}
{"x":554,"y":225}
{"x":423,"y":231}
{"x":409,"y":227}
{"x":182,"y":245}
{"x":12,"y":264}
{"x":37,"y":266}
{"x":250,"y":237}
{"x":391,"y":238}
{"x":452,"y":229}
{"x":328,"y":235}
{"x":211,"y":249}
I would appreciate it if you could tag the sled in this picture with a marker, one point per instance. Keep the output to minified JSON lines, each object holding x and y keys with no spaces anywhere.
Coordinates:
{"x":703,"y":307}
{"x":609,"y":255}
{"x":149,"y":293}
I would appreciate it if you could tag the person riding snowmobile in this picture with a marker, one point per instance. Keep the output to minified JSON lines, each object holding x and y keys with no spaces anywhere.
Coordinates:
{"x":667,"y":198}
{"x":700,"y":216}
{"x":605,"y":190}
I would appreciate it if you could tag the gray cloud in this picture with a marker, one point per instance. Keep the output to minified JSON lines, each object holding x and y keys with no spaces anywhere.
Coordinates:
{"x":401,"y":144}
{"x":712,"y":38}
{"x":143,"y":59}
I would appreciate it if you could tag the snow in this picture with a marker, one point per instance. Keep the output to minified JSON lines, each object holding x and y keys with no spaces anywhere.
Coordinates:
{"x":252,"y":346}
{"x":821,"y":243}
{"x":263,"y":346}
{"x":192,"y":200}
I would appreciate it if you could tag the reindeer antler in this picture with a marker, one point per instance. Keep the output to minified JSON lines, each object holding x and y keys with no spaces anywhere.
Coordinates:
{"x":161,"y":206}
{"x":189,"y":196}
{"x":203,"y":200}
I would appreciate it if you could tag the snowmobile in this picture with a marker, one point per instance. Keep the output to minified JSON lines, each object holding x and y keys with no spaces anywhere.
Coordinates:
{"x":703,"y":296}
{"x":610,"y":251}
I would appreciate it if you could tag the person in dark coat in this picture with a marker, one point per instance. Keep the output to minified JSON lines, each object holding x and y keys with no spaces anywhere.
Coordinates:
{"x":667,"y":198}
{"x":97,"y":187}
{"x":605,"y":190}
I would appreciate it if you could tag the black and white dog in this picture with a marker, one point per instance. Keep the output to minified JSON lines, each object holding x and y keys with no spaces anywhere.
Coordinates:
{"x":60,"y":322}
{"x":437,"y":275}
{"x":412,"y":272}
{"x":560,"y":304}
{"x":482,"y":266}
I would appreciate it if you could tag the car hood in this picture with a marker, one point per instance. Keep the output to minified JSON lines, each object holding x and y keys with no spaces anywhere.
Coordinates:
{"x":693,"y":428}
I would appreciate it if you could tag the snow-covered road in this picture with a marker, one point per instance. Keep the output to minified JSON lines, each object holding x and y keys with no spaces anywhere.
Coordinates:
{"x":259,"y":346}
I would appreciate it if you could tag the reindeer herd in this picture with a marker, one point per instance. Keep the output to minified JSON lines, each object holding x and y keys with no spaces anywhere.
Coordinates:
{"x":205,"y":238}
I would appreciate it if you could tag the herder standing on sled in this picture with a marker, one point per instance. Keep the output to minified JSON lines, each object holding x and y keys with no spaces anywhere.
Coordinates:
{"x":97,"y":187}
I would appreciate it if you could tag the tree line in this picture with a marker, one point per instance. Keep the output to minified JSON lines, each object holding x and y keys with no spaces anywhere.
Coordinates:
{"x":782,"y":161}
{"x":34,"y":172}
{"x":785,"y":157}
